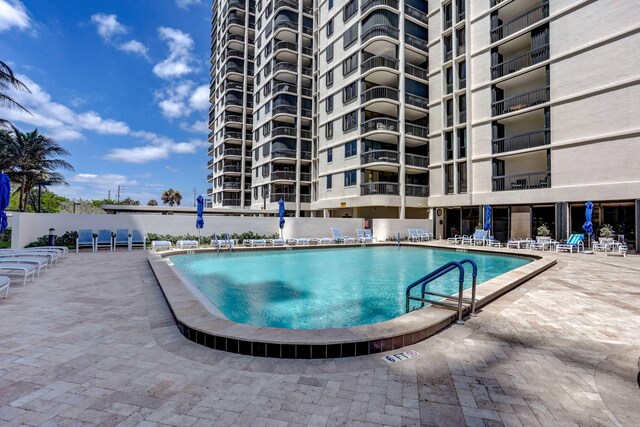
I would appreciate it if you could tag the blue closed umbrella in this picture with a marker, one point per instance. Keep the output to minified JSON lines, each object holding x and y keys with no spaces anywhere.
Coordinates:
{"x":281,"y":212}
{"x":5,"y":196}
{"x":588,"y":213}
{"x":200,"y":210}
{"x":487,"y":217}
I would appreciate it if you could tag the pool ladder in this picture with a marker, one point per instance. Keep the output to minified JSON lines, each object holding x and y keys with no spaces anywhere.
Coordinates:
{"x":451,"y":302}
{"x":219,"y":245}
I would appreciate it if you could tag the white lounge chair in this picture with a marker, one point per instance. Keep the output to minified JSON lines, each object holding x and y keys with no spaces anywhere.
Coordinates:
{"x":621,"y":250}
{"x":51,"y":255}
{"x":479,"y":237}
{"x":26,"y":269}
{"x":457,"y":239}
{"x":362,"y":237}
{"x":368,"y":233}
{"x":187,"y":244}
{"x":301,"y":241}
{"x":4,"y":284}
{"x":322,"y":240}
{"x":424,"y":235}
{"x":39,"y":263}
{"x":413,"y":235}
{"x":137,"y":240}
{"x":542,"y":245}
{"x":255,"y":242}
{"x":160,"y":245}
{"x":222,"y":241}
{"x":339,"y":238}
{"x":276,"y":242}
{"x":575,"y":241}
{"x":63,"y":249}
{"x":104,"y":240}
{"x":85,"y":238}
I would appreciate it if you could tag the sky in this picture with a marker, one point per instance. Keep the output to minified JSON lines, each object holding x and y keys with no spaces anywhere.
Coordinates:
{"x":121,"y":84}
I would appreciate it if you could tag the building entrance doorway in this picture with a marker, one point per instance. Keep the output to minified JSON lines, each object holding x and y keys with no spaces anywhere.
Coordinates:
{"x":500,"y":218}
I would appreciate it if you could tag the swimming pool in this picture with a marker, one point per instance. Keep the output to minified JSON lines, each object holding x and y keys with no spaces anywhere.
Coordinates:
{"x":325,"y":288}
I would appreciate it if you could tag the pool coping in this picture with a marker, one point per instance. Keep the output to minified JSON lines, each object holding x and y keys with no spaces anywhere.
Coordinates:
{"x":201,"y":325}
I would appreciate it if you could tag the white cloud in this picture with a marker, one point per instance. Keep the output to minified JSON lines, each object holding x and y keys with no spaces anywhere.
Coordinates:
{"x":199,"y":126}
{"x":97,"y":186}
{"x":13,"y":14}
{"x":158,"y":148}
{"x":170,"y":169}
{"x":135,"y":47}
{"x":185,"y":4}
{"x":108,"y":26}
{"x":199,"y":99}
{"x":180,"y":58}
{"x":182,"y":99}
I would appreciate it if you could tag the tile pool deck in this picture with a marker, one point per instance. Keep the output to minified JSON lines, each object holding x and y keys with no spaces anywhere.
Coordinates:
{"x":92,"y":342}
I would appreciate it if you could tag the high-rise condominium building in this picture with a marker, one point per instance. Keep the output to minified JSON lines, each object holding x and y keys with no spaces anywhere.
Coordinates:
{"x":404,"y":109}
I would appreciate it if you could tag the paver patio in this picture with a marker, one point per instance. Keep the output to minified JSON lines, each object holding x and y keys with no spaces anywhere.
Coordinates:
{"x":92,"y":342}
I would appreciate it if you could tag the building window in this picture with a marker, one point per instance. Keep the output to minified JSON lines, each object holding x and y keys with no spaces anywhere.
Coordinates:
{"x":265,"y":150}
{"x":255,"y":193}
{"x":265,"y":170}
{"x":462,"y":143}
{"x":329,"y":77}
{"x":330,"y":4}
{"x":350,"y":149}
{"x":328,"y":103}
{"x":256,"y":171}
{"x":329,"y":155}
{"x":328,"y":131}
{"x":330,"y":27}
{"x":349,"y":10}
{"x":350,"y":178}
{"x":350,"y":64}
{"x":349,"y":121}
{"x":329,"y":182}
{"x":448,"y":146}
{"x":349,"y":92}
{"x":329,"y":53}
{"x":350,"y":36}
{"x":256,"y":153}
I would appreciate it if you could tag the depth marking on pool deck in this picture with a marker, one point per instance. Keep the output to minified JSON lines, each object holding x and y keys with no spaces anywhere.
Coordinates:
{"x":399,"y":357}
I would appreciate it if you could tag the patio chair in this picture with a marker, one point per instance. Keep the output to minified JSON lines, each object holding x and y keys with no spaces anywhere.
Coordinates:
{"x":137,"y":240}
{"x":26,"y":270}
{"x":123,"y":238}
{"x":220,"y":241}
{"x":456,"y":239}
{"x":85,"y":238}
{"x":322,"y":240}
{"x":413,"y":235}
{"x":368,"y":233}
{"x":276,"y":242}
{"x":4,"y":284}
{"x":255,"y":242}
{"x":62,"y":249}
{"x":362,"y":237}
{"x":39,"y":263}
{"x":104,"y":240}
{"x":51,"y":255}
{"x":424,"y":234}
{"x":158,"y":245}
{"x":187,"y":244}
{"x":575,"y":241}
{"x":300,"y":241}
{"x":339,"y":238}
{"x":543,"y":245}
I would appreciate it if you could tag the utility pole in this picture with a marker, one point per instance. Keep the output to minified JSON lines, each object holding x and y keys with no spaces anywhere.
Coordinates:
{"x":118,"y":194}
{"x":109,"y":195}
{"x":194,"y":197}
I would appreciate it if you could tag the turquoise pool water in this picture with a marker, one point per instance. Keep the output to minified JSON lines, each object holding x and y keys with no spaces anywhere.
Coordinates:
{"x":325,"y":288}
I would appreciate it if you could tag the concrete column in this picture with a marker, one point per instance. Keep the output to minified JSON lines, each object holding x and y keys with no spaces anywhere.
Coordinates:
{"x":637,"y":242}
{"x":401,"y":118}
{"x":244,"y":108}
{"x":299,"y":110}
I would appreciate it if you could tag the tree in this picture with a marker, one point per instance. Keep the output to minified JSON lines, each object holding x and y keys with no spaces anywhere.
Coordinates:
{"x":171,"y":197}
{"x":129,"y":202}
{"x":8,"y":80}
{"x":31,"y":160}
{"x":152,"y":202}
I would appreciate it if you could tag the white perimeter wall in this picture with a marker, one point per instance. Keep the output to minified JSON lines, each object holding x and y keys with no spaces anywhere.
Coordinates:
{"x":384,"y":228}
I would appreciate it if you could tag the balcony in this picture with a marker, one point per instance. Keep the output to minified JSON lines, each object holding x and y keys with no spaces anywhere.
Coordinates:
{"x":305,"y":176}
{"x":285,"y":3}
{"x":373,"y":3}
{"x":522,"y":181}
{"x":210,"y":177}
{"x":232,"y":135}
{"x":379,"y":31}
{"x":449,"y":120}
{"x":416,"y":101}
{"x":415,"y":13}
{"x":520,"y":102}
{"x":285,"y":24}
{"x":231,"y":185}
{"x":383,"y":188}
{"x":416,"y":160}
{"x":416,"y":130}
{"x":232,"y":152}
{"x":285,"y":66}
{"x":283,"y":45}
{"x":232,"y":168}
{"x":418,"y":72}
{"x":372,"y":125}
{"x":287,"y":197}
{"x":521,"y":141}
{"x":283,"y":175}
{"x":305,"y":155}
{"x":305,"y":198}
{"x":379,"y":92}
{"x":284,"y":131}
{"x":411,"y":190}
{"x":210,"y":163}
{"x":377,"y":156}
{"x":416,"y":42}
{"x":283,"y":153}
{"x":520,"y":62}
{"x":378,"y":62}
{"x":520,"y":22}
{"x":230,"y":202}
{"x":284,"y":109}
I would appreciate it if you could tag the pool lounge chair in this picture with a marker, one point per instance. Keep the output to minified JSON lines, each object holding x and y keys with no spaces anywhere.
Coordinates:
{"x":222,"y":241}
{"x":137,"y":240}
{"x":542,"y":245}
{"x":301,"y":241}
{"x":4,"y":284}
{"x":62,"y":249}
{"x":123,"y":238}
{"x":426,"y":236}
{"x":413,"y":235}
{"x":362,"y":237}
{"x":621,"y":251}
{"x":322,"y":240}
{"x":575,"y":241}
{"x":104,"y":240}
{"x":160,"y":245}
{"x":368,"y":233}
{"x":254,"y":242}
{"x":457,"y":239}
{"x":39,"y":263}
{"x":276,"y":242}
{"x":26,"y":270}
{"x":51,"y":255}
{"x":478,"y":237}
{"x":85,"y":238}
{"x":339,"y":238}
{"x":187,"y":244}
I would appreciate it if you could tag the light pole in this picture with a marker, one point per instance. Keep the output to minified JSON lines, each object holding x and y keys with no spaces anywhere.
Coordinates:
{"x":265,"y":195}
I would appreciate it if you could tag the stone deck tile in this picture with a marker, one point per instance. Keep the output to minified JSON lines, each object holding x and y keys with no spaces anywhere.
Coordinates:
{"x":88,"y":343}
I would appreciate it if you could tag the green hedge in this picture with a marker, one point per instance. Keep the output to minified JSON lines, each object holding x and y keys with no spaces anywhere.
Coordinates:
{"x":68,"y":239}
{"x":206,"y":239}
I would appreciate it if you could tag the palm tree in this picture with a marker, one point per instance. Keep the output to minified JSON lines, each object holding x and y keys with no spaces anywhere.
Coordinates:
{"x":171,"y":197}
{"x":7,"y":80}
{"x":32,"y":159}
{"x":152,"y":202}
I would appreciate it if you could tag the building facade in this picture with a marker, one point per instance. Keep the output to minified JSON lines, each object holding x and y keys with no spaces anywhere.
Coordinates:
{"x":410,"y":109}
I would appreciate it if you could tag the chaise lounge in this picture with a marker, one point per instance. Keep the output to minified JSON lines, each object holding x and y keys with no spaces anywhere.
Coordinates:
{"x":575,"y":241}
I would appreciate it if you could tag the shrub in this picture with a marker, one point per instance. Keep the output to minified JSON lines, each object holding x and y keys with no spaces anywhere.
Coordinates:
{"x":543,"y":230}
{"x":606,"y":231}
{"x":68,"y":239}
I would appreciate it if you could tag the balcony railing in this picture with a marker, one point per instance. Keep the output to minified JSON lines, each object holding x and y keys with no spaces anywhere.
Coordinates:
{"x":233,"y":135}
{"x":520,"y":102}
{"x":522,"y":181}
{"x":530,"y":17}
{"x":210,"y":163}
{"x":495,"y":2}
{"x":305,"y":155}
{"x":411,"y":190}
{"x":379,"y":61}
{"x":232,"y":168}
{"x":210,"y":177}
{"x":232,"y":185}
{"x":372,"y":3}
{"x":305,"y":176}
{"x":521,"y":141}
{"x":288,"y":3}
{"x":283,"y":152}
{"x":416,"y":42}
{"x":416,"y":130}
{"x":384,"y":188}
{"x":287,"y":197}
{"x":285,"y":109}
{"x":418,"y":72}
{"x":415,"y":13}
{"x":285,"y":23}
{"x":285,"y":45}
{"x":461,"y":49}
{"x":417,"y":100}
{"x":462,"y":83}
{"x":284,"y":131}
{"x":230,"y":202}
{"x":416,"y":160}
{"x":519,"y":62}
{"x":449,"y":120}
{"x":379,"y":92}
{"x":305,"y":198}
{"x":232,"y":152}
{"x":375,"y":156}
{"x":283,"y":175}
{"x":379,"y":124}
{"x":462,"y":116}
{"x":285,"y":66}
{"x":380,"y":31}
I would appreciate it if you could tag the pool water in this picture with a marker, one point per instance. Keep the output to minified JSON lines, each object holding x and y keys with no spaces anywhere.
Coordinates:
{"x":326,"y":288}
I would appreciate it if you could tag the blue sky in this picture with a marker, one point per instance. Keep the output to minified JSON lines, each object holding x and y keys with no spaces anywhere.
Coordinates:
{"x":121,"y":84}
